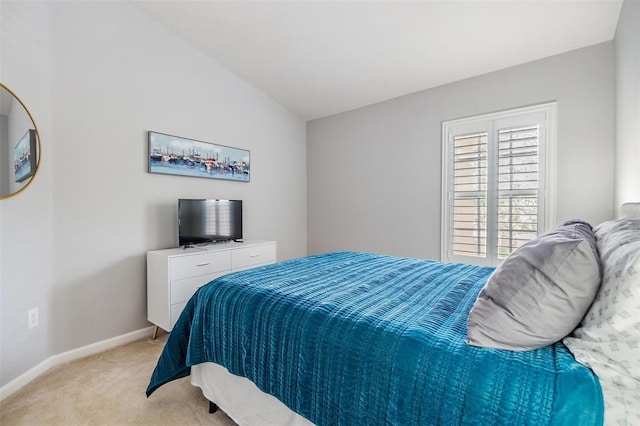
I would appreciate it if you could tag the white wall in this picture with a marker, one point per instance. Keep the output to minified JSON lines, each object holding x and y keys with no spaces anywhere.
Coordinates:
{"x":627,"y":133}
{"x":113,"y":75}
{"x":374,"y":174}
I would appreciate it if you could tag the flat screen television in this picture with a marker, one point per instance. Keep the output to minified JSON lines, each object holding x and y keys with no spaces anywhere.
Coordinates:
{"x":208,"y":221}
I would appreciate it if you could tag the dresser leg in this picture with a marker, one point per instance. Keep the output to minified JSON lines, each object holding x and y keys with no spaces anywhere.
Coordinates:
{"x":155,"y":333}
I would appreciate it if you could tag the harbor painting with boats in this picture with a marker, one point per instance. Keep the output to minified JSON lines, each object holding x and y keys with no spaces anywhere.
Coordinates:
{"x":175,"y":155}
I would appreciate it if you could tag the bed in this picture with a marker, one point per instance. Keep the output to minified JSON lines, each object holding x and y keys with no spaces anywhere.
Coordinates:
{"x":362,"y":339}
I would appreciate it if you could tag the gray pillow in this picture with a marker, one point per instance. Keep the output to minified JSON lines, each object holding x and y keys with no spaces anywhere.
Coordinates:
{"x":540,"y":293}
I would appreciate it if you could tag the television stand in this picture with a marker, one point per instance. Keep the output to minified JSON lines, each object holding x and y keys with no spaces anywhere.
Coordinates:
{"x":173,"y":275}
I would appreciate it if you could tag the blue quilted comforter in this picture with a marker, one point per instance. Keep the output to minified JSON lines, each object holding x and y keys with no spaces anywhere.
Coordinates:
{"x":362,"y":339}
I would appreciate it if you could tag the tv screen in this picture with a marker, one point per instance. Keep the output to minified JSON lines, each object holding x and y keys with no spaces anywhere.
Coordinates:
{"x":209,"y":221}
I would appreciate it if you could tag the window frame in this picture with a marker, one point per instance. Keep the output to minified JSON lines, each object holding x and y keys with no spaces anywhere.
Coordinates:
{"x":547,"y":174}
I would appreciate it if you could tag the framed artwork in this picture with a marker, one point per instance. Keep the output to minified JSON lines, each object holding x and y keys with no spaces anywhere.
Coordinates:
{"x":24,"y":155}
{"x":174,"y":155}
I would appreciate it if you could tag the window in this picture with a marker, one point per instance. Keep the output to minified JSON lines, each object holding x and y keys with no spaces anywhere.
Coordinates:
{"x":498,"y":183}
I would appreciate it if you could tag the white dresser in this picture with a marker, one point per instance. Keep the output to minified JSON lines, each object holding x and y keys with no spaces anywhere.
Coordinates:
{"x":173,"y":275}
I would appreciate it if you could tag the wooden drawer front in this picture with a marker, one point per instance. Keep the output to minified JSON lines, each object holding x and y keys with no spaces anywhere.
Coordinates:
{"x":252,"y":256}
{"x":182,"y":290}
{"x":199,"y":264}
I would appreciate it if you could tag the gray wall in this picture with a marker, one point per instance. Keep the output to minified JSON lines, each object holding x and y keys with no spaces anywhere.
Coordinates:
{"x":374,"y":174}
{"x":26,"y":244}
{"x":74,"y":242}
{"x":627,"y":133}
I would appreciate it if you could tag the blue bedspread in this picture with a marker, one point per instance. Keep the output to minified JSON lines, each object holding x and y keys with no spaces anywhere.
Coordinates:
{"x":361,"y":339}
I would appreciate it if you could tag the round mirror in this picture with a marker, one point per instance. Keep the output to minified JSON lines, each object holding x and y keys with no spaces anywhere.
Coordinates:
{"x":19,"y":144}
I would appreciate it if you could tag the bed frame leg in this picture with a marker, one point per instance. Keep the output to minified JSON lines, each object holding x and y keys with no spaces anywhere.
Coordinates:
{"x":212,"y":407}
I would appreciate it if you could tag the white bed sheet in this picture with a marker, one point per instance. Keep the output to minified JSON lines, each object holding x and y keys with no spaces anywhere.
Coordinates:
{"x":241,"y":399}
{"x":608,"y":339}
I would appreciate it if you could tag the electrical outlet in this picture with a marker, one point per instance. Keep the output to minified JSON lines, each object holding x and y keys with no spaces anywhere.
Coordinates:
{"x":32,"y":318}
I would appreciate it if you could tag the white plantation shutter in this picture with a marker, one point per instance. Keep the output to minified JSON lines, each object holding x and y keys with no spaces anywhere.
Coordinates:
{"x":469,"y":190}
{"x":518,"y":187}
{"x":496,"y":183}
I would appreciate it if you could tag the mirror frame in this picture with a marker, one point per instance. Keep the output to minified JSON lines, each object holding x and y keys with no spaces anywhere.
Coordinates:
{"x":39,"y":147}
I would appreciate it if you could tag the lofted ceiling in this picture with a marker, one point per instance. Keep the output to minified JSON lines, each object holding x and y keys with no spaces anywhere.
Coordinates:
{"x":320,"y":58}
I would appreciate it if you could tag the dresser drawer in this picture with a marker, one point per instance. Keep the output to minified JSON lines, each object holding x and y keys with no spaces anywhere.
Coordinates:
{"x":176,"y":310}
{"x":175,"y":274}
{"x":199,"y":264}
{"x":182,"y":290}
{"x":252,"y":256}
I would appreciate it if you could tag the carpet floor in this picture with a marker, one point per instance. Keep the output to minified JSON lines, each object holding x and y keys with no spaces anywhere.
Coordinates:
{"x":108,"y":389}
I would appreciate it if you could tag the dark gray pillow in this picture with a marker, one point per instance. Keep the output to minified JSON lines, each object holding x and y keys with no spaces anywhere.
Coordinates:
{"x":540,"y":293}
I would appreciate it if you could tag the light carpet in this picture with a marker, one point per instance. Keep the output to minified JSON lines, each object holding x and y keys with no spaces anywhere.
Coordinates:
{"x":109,"y":389}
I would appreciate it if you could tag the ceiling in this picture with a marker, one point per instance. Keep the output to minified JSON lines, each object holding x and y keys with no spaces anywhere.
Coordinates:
{"x":320,"y":58}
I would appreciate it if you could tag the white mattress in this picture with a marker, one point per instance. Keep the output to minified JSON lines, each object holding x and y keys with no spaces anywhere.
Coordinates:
{"x":241,"y":399}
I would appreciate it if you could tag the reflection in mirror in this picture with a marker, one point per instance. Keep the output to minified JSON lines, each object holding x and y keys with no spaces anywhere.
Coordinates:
{"x":19,"y":144}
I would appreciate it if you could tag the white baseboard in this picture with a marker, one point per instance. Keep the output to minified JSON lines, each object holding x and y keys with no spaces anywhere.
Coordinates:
{"x":84,"y":351}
